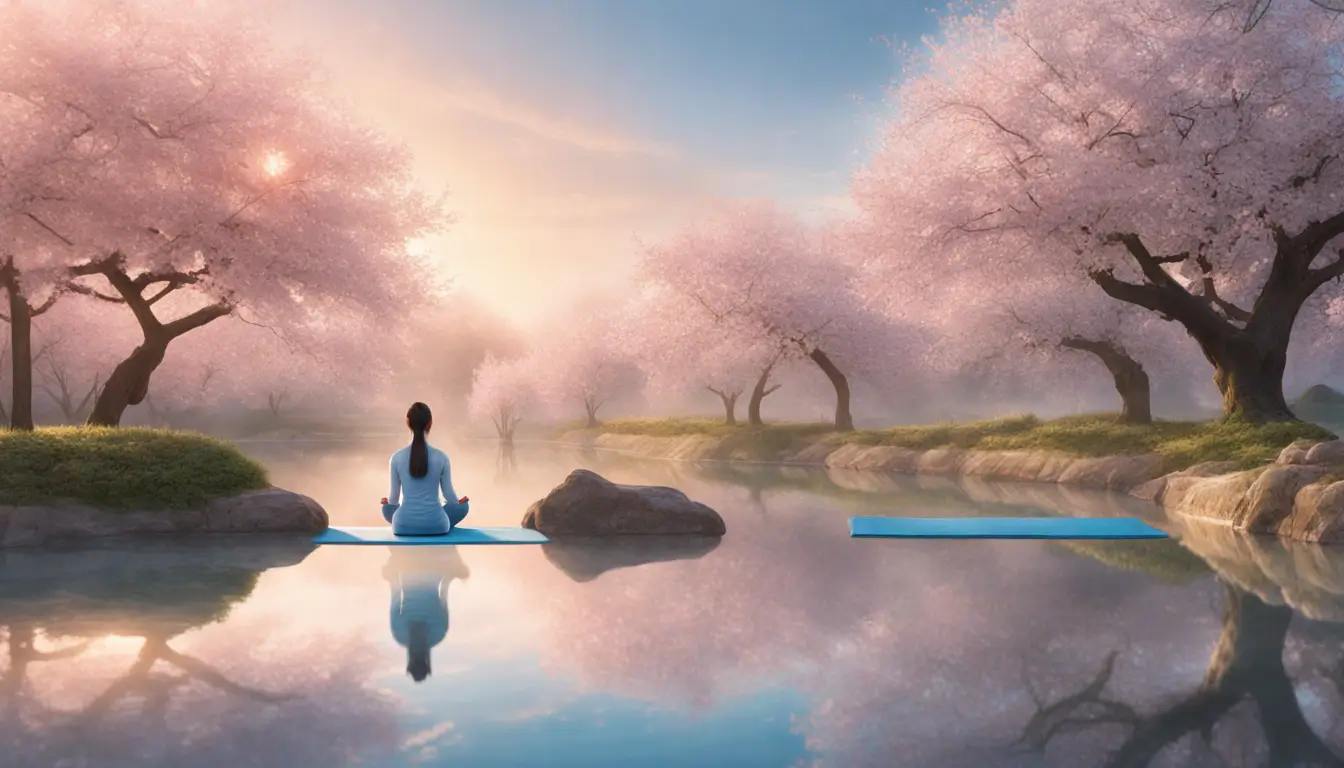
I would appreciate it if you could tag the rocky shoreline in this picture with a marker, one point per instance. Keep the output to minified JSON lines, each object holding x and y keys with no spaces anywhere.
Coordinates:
{"x":273,"y":510}
{"x":1111,"y":473}
{"x":1300,"y":496}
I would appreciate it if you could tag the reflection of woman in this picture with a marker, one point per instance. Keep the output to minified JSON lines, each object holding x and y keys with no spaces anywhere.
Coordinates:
{"x":419,"y":578}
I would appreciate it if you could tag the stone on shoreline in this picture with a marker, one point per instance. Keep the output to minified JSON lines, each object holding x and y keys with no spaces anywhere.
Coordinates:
{"x":273,"y":510}
{"x":1298,"y":497}
{"x":586,"y":504}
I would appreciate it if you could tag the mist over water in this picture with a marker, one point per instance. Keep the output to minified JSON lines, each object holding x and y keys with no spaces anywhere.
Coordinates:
{"x":786,"y":643}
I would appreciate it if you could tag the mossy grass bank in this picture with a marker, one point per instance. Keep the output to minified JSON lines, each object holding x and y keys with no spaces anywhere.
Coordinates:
{"x":1181,"y":443}
{"x":123,"y":468}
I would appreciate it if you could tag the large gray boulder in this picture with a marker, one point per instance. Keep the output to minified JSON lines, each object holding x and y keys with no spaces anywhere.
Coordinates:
{"x":586,"y":504}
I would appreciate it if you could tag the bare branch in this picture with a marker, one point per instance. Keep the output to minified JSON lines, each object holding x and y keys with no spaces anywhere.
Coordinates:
{"x":84,"y":290}
{"x":48,"y":228}
{"x":1300,"y":181}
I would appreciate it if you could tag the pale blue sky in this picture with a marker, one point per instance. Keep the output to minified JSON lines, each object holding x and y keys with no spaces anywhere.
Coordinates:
{"x":589,"y":123}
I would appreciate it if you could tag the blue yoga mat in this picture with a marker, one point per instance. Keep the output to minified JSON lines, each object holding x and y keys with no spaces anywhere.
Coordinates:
{"x":1002,"y":528}
{"x":382,"y":535}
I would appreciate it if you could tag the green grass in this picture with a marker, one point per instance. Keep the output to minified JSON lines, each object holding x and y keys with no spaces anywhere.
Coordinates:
{"x":124,"y":468}
{"x":1181,"y":443}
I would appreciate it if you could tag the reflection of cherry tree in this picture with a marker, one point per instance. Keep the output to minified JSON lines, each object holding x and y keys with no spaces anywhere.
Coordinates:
{"x":162,"y":706}
{"x":189,"y":693}
{"x":14,"y":685}
{"x":913,"y":655}
{"x":777,"y":591}
{"x":1247,"y":664}
{"x":506,"y":464}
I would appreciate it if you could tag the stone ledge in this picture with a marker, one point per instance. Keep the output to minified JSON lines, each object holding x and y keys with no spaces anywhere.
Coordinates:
{"x":1114,"y":473}
{"x":273,"y":510}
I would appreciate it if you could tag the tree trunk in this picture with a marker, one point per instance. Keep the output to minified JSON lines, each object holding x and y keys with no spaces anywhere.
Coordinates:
{"x":129,"y":383}
{"x":759,"y":393}
{"x":591,"y":408}
{"x":844,"y":422}
{"x":21,"y":358}
{"x":729,"y":400}
{"x":1250,"y":378}
{"x":1131,"y":381}
{"x":1248,"y":348}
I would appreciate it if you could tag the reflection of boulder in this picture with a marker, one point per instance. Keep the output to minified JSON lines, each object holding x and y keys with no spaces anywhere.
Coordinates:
{"x":584,"y":559}
{"x":139,"y":586}
{"x":1308,"y":577}
{"x":586,"y":504}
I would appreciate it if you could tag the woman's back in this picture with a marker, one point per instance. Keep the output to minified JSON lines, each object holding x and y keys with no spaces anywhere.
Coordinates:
{"x":420,"y":507}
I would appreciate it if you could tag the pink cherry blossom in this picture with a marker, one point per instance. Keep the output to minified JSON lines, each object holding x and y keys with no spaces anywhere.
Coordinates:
{"x":1155,"y":149}
{"x":503,"y":391}
{"x":216,"y":164}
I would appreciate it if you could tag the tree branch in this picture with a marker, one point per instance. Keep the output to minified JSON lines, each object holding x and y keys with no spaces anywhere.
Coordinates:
{"x":196,"y":319}
{"x":1161,"y":293}
{"x":211,"y":676}
{"x":84,"y":290}
{"x":1232,"y":311}
{"x":48,"y":228}
{"x":1317,"y":235}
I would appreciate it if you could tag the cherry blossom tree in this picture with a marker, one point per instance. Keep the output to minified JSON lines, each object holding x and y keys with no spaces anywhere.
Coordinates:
{"x":46,"y":146}
{"x":1257,"y":9}
{"x":684,"y":348}
{"x":582,"y":360}
{"x":73,"y":362}
{"x":504,"y":391}
{"x":1175,"y":161}
{"x":446,"y":347}
{"x":755,"y":265}
{"x":224,"y":171}
{"x":238,"y":362}
{"x":1058,"y":331}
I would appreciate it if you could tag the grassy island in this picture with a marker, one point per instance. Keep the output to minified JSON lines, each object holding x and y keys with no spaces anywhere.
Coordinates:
{"x":1182,"y":443}
{"x":123,"y":468}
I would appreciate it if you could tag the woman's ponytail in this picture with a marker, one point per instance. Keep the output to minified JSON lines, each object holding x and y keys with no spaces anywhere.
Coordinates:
{"x":418,"y":419}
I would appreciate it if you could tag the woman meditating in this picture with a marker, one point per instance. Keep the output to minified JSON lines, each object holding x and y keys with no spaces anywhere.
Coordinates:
{"x":421,"y":471}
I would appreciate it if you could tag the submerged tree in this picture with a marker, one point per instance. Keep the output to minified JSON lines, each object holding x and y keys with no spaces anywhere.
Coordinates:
{"x":1178,"y":163}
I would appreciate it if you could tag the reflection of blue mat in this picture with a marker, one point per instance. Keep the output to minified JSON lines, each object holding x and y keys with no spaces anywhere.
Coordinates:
{"x":382,"y":535}
{"x":1002,"y":528}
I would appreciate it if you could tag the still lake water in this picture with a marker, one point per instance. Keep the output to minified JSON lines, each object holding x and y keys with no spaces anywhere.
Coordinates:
{"x":786,"y":644}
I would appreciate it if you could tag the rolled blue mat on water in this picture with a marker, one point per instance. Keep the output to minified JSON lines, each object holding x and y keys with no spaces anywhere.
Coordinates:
{"x":382,"y":535}
{"x":1002,"y":528}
